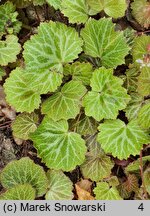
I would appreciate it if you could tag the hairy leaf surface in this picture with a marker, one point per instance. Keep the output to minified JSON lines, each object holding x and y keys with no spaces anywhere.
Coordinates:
{"x":58,"y":148}
{"x":122,"y":140}
{"x":107,"y":96}
{"x":60,"y":186}
{"x":24,"y":171}
{"x":101,"y":40}
{"x":66,"y":103}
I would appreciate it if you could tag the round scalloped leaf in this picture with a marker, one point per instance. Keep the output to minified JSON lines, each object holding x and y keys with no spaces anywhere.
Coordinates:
{"x":9,"y":49}
{"x":19,"y":192}
{"x":66,"y":103}
{"x":141,"y":51}
{"x":79,"y":71}
{"x":43,"y":52}
{"x":20,"y":92}
{"x":60,"y":186}
{"x":144,"y":116}
{"x":135,"y":166}
{"x":96,"y":167}
{"x":113,"y":8}
{"x":8,"y":19}
{"x":107,"y":96}
{"x":55,"y":3}
{"x":134,"y":106}
{"x":144,"y":82}
{"x":147,"y":180}
{"x":122,"y":140}
{"x":26,"y":3}
{"x":141,"y":12}
{"x":57,"y":147}
{"x":76,"y":10}
{"x":101,"y":40}
{"x":24,"y":171}
{"x":24,"y":124}
{"x":104,"y":192}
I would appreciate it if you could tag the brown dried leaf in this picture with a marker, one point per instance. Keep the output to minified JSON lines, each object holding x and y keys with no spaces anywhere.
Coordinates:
{"x":83,"y":194}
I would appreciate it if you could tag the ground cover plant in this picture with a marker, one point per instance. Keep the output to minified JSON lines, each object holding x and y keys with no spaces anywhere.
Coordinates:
{"x":75,"y":99}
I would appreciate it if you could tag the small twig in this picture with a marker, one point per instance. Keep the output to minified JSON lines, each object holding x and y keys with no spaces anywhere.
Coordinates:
{"x":5,"y":123}
{"x":142,"y":176}
{"x":37,"y":15}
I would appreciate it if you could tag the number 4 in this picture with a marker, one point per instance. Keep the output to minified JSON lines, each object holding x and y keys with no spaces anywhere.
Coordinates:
{"x":141,"y":207}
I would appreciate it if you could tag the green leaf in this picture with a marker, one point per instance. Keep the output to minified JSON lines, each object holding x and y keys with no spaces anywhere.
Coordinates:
{"x":144,"y":116}
{"x":57,"y":147}
{"x":24,"y":124}
{"x":76,"y":10}
{"x":84,"y":125}
{"x":55,"y":3}
{"x":113,"y":8}
{"x":66,"y":103}
{"x":60,"y":186}
{"x":2,"y":73}
{"x":9,"y":49}
{"x":79,"y":71}
{"x":26,"y":3}
{"x":8,"y":19}
{"x":120,"y":139}
{"x":24,"y":171}
{"x":96,"y":166}
{"x":140,"y":11}
{"x":20,"y":92}
{"x":104,"y":192}
{"x":101,"y":40}
{"x":135,"y":166}
{"x":43,"y":52}
{"x":134,"y":106}
{"x":19,"y":192}
{"x":144,"y":81}
{"x":107,"y":96}
{"x":141,"y":51}
{"x":131,"y":81}
{"x":147,"y":179}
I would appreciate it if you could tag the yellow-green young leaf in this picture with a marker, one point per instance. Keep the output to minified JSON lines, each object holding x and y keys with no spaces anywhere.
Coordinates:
{"x":101,"y":40}
{"x":97,"y":165}
{"x":144,"y":81}
{"x":66,"y":103}
{"x":60,"y":186}
{"x":144,"y":116}
{"x":122,"y":140}
{"x":107,"y":96}
{"x":141,"y":51}
{"x":76,"y":10}
{"x":2,"y":73}
{"x":9,"y":49}
{"x":79,"y":71}
{"x":43,"y":52}
{"x":55,"y":3}
{"x":147,"y":179}
{"x":21,"y":92}
{"x":141,"y":11}
{"x":104,"y":192}
{"x":113,"y":8}
{"x":26,"y":3}
{"x":135,"y":166}
{"x":8,"y":19}
{"x":19,"y":192}
{"x":24,"y":171}
{"x":24,"y":124}
{"x":134,"y":106}
{"x":58,"y":148}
